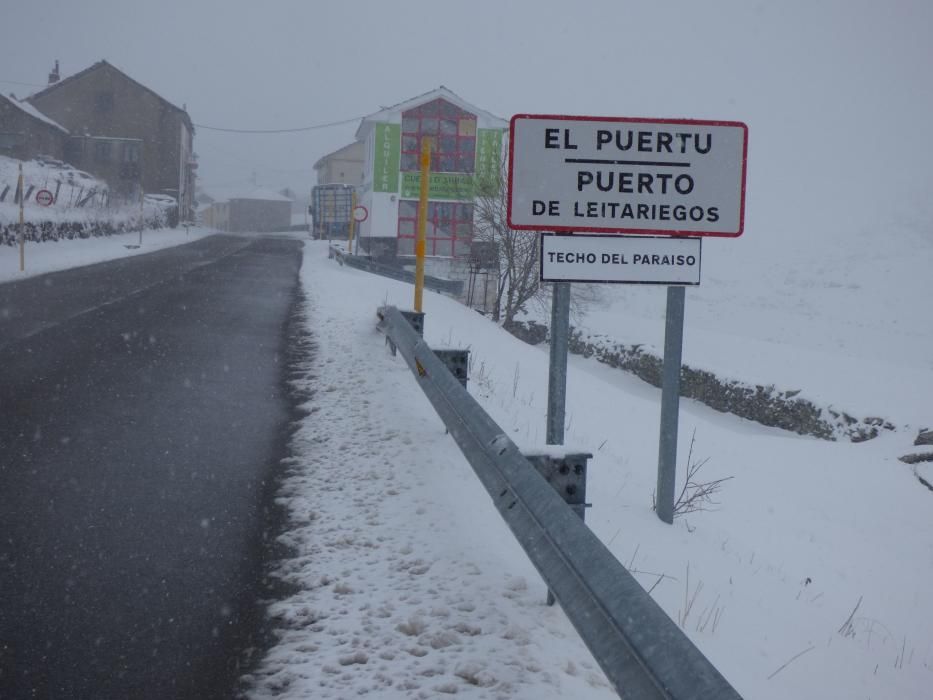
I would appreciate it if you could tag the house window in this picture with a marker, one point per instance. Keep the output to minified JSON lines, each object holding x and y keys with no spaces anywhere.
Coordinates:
{"x":130,"y":152}
{"x":453,"y":131}
{"x":102,"y":151}
{"x":449,"y":230}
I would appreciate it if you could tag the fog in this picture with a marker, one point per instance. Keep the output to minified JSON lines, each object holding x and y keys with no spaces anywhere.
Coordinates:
{"x":837,"y":95}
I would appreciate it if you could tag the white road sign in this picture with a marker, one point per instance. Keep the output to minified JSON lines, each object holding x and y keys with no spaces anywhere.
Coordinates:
{"x":619,"y":175}
{"x":631,"y":259}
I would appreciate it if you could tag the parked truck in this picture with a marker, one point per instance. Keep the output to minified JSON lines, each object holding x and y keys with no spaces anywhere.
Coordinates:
{"x":331,"y":209}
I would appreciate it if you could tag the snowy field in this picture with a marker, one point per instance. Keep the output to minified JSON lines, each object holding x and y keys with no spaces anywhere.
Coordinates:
{"x":809,"y":580}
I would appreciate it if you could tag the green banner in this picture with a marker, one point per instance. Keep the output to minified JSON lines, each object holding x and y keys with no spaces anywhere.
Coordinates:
{"x":488,"y":160}
{"x":456,"y":186}
{"x":386,"y":161}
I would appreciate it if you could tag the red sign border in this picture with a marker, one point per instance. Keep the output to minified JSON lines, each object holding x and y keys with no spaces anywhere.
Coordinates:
{"x":365,"y":213}
{"x":51,"y":198}
{"x":639,"y":231}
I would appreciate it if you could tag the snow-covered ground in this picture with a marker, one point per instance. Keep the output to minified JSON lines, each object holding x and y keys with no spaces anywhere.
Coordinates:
{"x":61,"y":255}
{"x":845,"y":322}
{"x":810,"y":579}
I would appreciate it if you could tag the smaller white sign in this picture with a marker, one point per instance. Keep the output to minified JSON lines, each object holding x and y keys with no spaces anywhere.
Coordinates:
{"x":620,"y":259}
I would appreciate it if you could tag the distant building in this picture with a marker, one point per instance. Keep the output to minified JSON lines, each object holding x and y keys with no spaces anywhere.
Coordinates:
{"x":246,"y":211}
{"x":468,"y":150}
{"x":122,"y":131}
{"x":26,"y":133}
{"x":342,"y":167}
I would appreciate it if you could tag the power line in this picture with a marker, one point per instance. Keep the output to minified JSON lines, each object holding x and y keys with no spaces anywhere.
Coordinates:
{"x":13,"y":82}
{"x":281,"y":131}
{"x":237,"y":131}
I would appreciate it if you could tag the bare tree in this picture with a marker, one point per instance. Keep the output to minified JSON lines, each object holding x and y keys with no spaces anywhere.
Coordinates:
{"x":518,"y":251}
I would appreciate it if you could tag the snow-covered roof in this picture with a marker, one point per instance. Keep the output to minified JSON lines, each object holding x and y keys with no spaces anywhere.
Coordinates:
{"x":33,"y":112}
{"x":441,"y":92}
{"x":105,"y":64}
{"x":343,"y":150}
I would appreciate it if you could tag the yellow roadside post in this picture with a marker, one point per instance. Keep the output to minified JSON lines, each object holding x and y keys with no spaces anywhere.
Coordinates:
{"x":422,"y":220}
{"x":352,"y":223}
{"x":142,"y":213}
{"x":20,"y":186}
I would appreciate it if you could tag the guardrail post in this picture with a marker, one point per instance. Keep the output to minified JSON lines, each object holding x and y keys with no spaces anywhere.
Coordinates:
{"x":567,"y":475}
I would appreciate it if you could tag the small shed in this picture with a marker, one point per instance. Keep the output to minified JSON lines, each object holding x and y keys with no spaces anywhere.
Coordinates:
{"x":256,"y":209}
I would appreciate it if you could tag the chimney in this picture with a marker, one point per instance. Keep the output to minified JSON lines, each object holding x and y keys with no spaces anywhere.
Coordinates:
{"x":54,"y":76}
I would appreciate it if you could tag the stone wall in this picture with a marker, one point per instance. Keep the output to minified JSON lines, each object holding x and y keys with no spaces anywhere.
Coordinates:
{"x":767,"y":405}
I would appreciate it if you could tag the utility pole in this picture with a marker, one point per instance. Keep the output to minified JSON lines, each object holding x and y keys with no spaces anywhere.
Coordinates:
{"x":20,"y":186}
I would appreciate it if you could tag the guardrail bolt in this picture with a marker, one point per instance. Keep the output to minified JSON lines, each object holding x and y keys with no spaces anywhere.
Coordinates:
{"x":416,"y":319}
{"x":458,"y":362}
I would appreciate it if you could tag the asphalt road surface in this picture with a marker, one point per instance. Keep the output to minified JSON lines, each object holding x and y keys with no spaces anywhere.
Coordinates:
{"x":143,"y":413}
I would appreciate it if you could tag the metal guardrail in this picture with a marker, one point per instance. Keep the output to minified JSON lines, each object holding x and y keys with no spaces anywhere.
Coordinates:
{"x":640,"y":649}
{"x":436,"y":284}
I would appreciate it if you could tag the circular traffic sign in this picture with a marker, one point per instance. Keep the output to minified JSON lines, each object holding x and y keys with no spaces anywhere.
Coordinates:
{"x":44,"y":197}
{"x":360,"y":213}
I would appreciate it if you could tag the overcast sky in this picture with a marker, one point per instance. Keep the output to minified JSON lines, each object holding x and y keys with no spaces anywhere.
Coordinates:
{"x":838,"y":95}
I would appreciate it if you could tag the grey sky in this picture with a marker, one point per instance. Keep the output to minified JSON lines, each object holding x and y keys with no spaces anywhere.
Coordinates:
{"x":837,"y":95}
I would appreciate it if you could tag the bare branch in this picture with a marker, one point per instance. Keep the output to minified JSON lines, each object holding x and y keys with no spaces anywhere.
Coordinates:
{"x":695,"y":495}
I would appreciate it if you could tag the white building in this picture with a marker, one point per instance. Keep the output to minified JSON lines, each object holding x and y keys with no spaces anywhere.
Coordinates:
{"x":468,"y":149}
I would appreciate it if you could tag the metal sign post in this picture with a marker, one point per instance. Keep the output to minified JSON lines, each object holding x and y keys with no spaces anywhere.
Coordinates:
{"x":351,"y":224}
{"x":359,"y":214}
{"x":557,"y":371}
{"x":557,"y":374}
{"x":670,"y":403}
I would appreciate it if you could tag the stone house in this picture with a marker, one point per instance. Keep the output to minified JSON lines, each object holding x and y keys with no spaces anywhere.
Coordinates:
{"x":122,"y":131}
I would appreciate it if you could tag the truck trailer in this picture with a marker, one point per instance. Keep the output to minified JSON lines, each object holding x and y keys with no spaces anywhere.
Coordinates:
{"x":331,"y":209}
